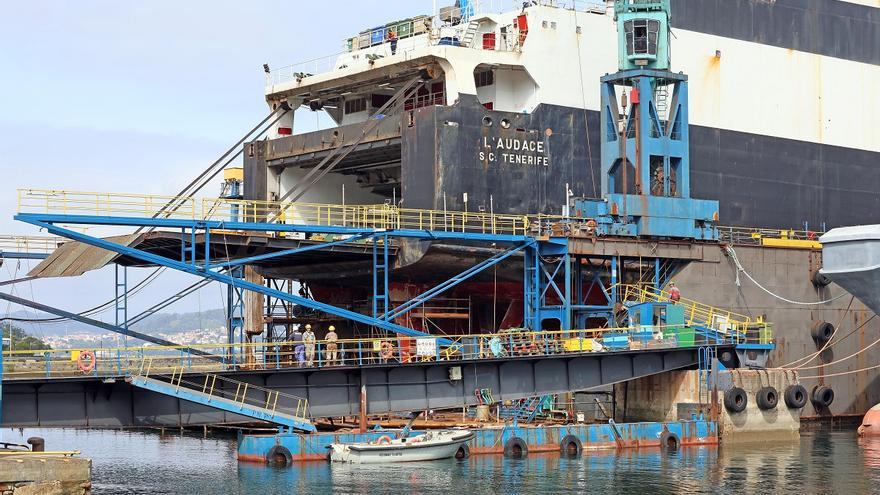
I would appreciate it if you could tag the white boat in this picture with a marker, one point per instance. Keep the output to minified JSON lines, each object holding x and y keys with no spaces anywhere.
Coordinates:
{"x":429,"y":446}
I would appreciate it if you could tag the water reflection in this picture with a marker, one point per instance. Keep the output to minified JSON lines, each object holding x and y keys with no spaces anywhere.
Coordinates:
{"x":147,"y":463}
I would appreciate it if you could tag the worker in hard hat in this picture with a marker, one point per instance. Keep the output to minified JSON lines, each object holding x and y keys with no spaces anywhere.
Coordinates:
{"x":332,"y":346}
{"x":674,"y":293}
{"x":309,"y":342}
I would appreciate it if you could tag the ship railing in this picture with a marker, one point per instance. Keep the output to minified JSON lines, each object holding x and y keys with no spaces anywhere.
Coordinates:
{"x":222,"y":387}
{"x":750,"y":236}
{"x":356,"y":56}
{"x":29,"y":244}
{"x":695,"y":313}
{"x":178,"y":362}
{"x":372,"y":217}
{"x":373,"y":43}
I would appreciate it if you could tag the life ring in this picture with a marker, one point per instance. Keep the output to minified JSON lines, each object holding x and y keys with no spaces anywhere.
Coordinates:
{"x":383,"y":440}
{"x":767,"y":398}
{"x":86,"y":361}
{"x":386,"y":350}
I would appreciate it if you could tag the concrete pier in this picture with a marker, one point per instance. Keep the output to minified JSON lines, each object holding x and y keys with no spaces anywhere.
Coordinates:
{"x":33,"y":473}
{"x":680,"y":394}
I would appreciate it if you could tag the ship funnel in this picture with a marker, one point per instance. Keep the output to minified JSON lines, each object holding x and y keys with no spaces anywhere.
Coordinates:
{"x":851,"y":259}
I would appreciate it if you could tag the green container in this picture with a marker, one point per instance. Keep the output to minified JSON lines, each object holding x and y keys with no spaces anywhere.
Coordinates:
{"x":684,"y":336}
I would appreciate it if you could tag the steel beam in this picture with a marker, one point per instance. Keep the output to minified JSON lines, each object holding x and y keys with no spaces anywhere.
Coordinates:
{"x":182,"y":223}
{"x":452,"y":282}
{"x":14,"y":255}
{"x":101,"y":324}
{"x":335,"y":391}
{"x":226,"y":279}
{"x":286,"y":252}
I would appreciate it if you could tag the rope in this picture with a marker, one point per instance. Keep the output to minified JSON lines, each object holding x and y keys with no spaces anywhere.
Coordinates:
{"x":872,"y":344}
{"x":809,"y":357}
{"x":842,"y":373}
{"x":739,"y":268}
{"x":586,"y":123}
{"x":854,"y":330}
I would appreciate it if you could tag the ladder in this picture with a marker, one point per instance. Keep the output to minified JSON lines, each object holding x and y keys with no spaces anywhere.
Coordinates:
{"x":661,"y":97}
{"x":468,"y":39}
{"x":217,"y":392}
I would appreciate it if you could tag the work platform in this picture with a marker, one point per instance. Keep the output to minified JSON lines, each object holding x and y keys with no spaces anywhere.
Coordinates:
{"x":507,"y":366}
{"x":400,"y":367}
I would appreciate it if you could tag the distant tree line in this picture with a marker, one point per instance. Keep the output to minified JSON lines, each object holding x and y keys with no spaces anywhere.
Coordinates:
{"x":20,"y":340}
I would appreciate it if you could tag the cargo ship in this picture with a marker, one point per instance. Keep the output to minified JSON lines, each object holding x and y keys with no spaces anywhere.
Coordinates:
{"x":505,"y":116}
{"x":498,"y":110}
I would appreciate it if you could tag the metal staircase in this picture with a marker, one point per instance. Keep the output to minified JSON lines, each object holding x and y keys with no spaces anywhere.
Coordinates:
{"x":247,"y":400}
{"x":525,"y":411}
{"x":470,"y":33}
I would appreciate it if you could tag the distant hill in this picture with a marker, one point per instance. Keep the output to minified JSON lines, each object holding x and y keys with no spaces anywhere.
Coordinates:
{"x":165,"y":323}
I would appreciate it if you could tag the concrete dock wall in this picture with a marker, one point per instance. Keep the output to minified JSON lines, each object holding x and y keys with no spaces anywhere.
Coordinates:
{"x":33,"y":474}
{"x":679,"y":395}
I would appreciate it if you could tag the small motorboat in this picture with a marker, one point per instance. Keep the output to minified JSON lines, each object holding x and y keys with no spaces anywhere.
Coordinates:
{"x":429,"y":446}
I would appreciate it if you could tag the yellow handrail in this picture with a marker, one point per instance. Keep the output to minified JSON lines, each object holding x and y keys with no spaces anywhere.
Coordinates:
{"x":697,"y":313}
{"x":376,"y":216}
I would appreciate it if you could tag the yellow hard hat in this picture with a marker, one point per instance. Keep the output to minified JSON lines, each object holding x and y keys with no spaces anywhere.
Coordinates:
{"x":308,"y":327}
{"x":332,"y":328}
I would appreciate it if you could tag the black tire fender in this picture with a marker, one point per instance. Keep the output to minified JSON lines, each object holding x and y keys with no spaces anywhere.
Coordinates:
{"x":571,"y":446}
{"x":463,"y":452}
{"x":822,"y":396}
{"x":736,"y":400}
{"x":515,"y":448}
{"x":795,"y":396}
{"x":669,"y":442}
{"x":819,"y":279}
{"x":767,"y":398}
{"x":822,"y":331}
{"x":279,"y":455}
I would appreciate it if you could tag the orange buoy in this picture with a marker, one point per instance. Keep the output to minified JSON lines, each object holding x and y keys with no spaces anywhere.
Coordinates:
{"x":383,"y":440}
{"x":870,"y":423}
{"x":86,"y":361}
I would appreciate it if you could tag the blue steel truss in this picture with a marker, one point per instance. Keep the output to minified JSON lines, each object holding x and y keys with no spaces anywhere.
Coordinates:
{"x":382,"y":318}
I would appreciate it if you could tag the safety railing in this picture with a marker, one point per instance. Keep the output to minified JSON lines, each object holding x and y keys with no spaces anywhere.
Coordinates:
{"x":374,"y":43}
{"x":750,"y":236}
{"x":175,"y":361}
{"x":239,"y":393}
{"x":29,"y":244}
{"x":695,"y":313}
{"x":377,"y":217}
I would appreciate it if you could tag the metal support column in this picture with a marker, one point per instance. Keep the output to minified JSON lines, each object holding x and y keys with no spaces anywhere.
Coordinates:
{"x":234,"y":313}
{"x":121,"y":300}
{"x":380,"y":270}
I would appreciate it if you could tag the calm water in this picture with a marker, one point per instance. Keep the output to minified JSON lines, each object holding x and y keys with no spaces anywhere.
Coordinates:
{"x":147,"y":463}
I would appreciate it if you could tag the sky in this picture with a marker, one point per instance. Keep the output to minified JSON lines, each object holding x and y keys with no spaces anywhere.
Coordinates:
{"x":141,"y":96}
